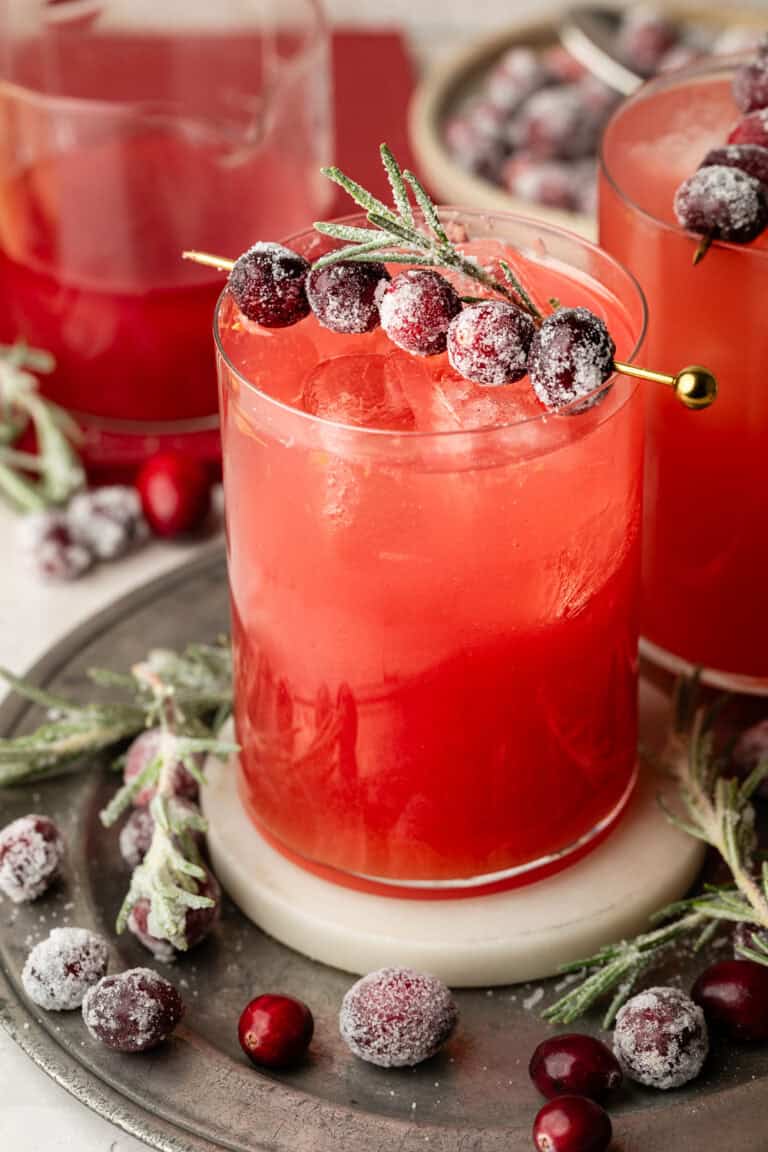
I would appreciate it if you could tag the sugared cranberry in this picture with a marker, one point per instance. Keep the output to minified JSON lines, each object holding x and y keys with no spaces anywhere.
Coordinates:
{"x":572,"y":1124}
{"x":645,"y":37}
{"x":141,"y":753}
{"x":576,"y":1065}
{"x":397,"y":1017}
{"x":343,"y":296}
{"x":548,"y":182}
{"x":661,"y":1038}
{"x":52,"y":548}
{"x":561,"y":66}
{"x":734,"y":996}
{"x":268,"y":284}
{"x":275,"y":1031}
{"x":198,"y":922}
{"x":132,"y":1011}
{"x":752,"y":129}
{"x":416,"y":308}
{"x":175,"y":493}
{"x":60,"y":970}
{"x":488,"y":342}
{"x":750,"y":85}
{"x":31,"y":852}
{"x":518,"y":72}
{"x":749,"y":158}
{"x":750,"y":936}
{"x":555,"y":124}
{"x":571,"y":356}
{"x":107,"y":520}
{"x":723,"y":203}
{"x":136,"y":836}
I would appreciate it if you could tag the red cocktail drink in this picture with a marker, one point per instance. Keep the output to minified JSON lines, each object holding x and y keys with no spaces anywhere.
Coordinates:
{"x":121,"y":146}
{"x":434,"y":590}
{"x":706,"y":499}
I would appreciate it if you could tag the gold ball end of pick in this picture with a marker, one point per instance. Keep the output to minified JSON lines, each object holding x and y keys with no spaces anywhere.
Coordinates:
{"x":695,"y":386}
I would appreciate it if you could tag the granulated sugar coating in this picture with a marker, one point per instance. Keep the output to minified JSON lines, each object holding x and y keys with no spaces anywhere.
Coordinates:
{"x":415,"y":310}
{"x":268,"y":285}
{"x":343,"y":296}
{"x":660,"y":1038}
{"x":571,"y":356}
{"x":722,"y":202}
{"x":136,"y":836}
{"x":132,"y":1011}
{"x":60,"y":970}
{"x":488,"y":343}
{"x":397,"y":1017}
{"x":31,"y":851}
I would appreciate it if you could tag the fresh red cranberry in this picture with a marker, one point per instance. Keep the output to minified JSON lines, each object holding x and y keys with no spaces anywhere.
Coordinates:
{"x":645,"y":38}
{"x":661,"y":1038}
{"x":52,"y":548}
{"x":397,"y":1017}
{"x":31,"y":852}
{"x":571,"y":356}
{"x":575,"y":1065}
{"x":268,"y":284}
{"x":60,"y":969}
{"x":132,"y":1011}
{"x":175,"y":493}
{"x":107,"y":520}
{"x":488,"y":342}
{"x":750,"y":85}
{"x":141,"y":752}
{"x":275,"y":1031}
{"x":734,"y":996}
{"x":572,"y":1124}
{"x":343,"y":295}
{"x":555,"y":124}
{"x":751,"y":129}
{"x":723,"y":203}
{"x":198,"y":922}
{"x":416,"y":308}
{"x":749,"y":158}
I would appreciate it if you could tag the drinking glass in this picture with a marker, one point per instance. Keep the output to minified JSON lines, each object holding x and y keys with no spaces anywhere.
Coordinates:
{"x":130,"y":130}
{"x":705,"y":549}
{"x":434,"y":623}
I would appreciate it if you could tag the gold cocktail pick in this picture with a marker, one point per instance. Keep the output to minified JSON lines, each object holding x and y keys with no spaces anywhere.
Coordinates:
{"x":694,"y":386}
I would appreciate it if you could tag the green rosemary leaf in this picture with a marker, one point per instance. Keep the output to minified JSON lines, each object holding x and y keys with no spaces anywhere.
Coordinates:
{"x":370,"y":251}
{"x":759,"y":957}
{"x":123,"y":798}
{"x":397,"y":184}
{"x":686,"y":826}
{"x":519,"y":288}
{"x":413,"y":259}
{"x":348,"y":233}
{"x":19,"y":492}
{"x":753,"y":781}
{"x":397,"y":231}
{"x":428,"y":208}
{"x":360,"y":195}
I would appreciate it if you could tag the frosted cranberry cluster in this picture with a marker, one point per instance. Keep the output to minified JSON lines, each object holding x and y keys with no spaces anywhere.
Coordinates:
{"x":567,"y":355}
{"x":727,"y":198}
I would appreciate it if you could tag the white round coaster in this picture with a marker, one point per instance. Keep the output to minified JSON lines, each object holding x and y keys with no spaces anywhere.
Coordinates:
{"x":522,"y":934}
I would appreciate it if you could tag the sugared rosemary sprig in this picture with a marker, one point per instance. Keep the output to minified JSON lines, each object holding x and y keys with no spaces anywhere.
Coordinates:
{"x":171,"y":875}
{"x":718,"y":811}
{"x":31,"y":481}
{"x":395,"y":237}
{"x":73,"y":733}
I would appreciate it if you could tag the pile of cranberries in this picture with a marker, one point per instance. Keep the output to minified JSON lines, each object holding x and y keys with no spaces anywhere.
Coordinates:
{"x":532,"y":123}
{"x":567,"y":356}
{"x":727,"y":198}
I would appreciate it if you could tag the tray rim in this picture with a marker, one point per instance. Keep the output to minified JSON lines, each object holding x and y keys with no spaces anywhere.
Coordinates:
{"x":711,"y":1116}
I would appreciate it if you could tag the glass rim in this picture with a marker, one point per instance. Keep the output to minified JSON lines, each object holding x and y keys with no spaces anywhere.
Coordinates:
{"x":416,"y":435}
{"x":664,"y":82}
{"x":96,"y":104}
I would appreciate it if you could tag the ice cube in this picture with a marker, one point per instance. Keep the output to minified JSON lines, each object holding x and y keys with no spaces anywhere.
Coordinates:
{"x":443,"y":401}
{"x":358,"y":390}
